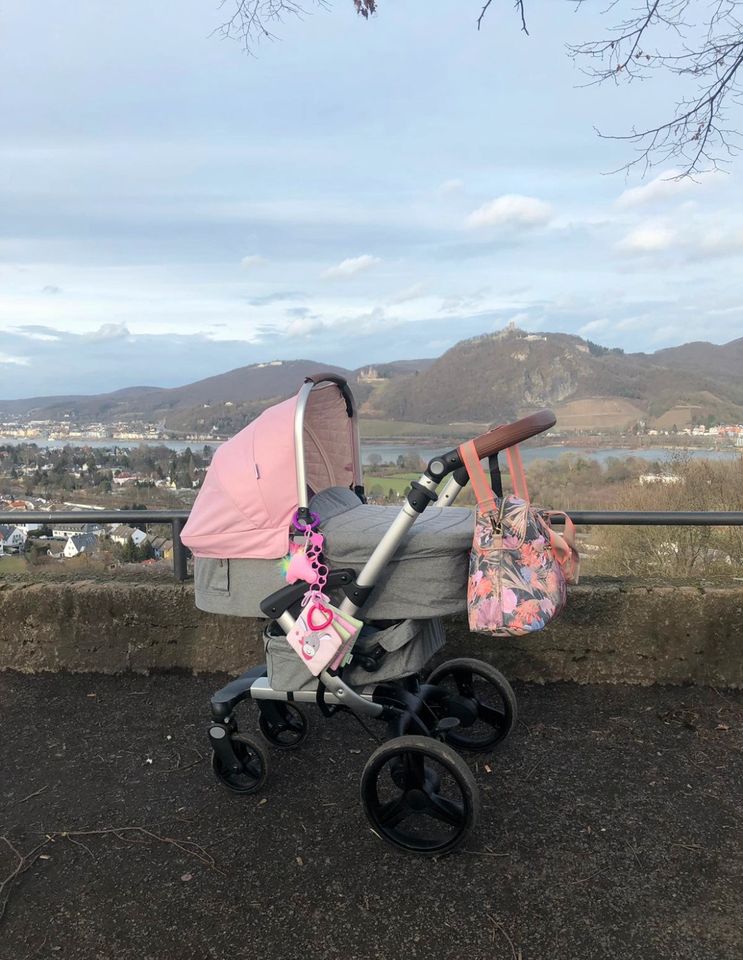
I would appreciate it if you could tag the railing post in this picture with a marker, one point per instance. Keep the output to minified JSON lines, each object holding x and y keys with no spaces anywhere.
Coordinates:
{"x":180,"y":569}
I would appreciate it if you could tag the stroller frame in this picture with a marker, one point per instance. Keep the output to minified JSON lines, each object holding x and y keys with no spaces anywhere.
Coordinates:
{"x":423,"y":720}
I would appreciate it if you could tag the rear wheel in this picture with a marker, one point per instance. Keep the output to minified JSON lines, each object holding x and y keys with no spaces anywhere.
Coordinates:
{"x":481,"y":697}
{"x":419,"y":796}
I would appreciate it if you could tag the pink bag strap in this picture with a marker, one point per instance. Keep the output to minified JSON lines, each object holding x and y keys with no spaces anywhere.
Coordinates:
{"x":518,"y":474}
{"x":480,"y":485}
{"x":565,"y":545}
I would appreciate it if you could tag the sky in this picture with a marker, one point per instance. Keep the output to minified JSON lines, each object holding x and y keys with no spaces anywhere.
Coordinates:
{"x":355,"y":192}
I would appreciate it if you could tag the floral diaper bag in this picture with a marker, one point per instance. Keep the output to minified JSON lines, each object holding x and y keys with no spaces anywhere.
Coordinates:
{"x":518,"y":564}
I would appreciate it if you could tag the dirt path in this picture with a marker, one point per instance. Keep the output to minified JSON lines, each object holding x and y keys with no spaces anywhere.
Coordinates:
{"x":612,"y":827}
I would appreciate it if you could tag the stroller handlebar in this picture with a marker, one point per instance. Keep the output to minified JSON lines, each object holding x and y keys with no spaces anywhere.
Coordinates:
{"x":509,"y":434}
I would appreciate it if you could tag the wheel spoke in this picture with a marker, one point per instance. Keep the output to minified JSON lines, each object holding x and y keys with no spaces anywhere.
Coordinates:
{"x":491,"y":715}
{"x":447,"y":811}
{"x":252,"y":768}
{"x":464,"y":682}
{"x":414,"y":770}
{"x":432,"y":781}
{"x":393,"y":812}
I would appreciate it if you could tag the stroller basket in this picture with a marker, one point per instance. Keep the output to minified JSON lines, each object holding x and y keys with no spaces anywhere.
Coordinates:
{"x":380,"y":653}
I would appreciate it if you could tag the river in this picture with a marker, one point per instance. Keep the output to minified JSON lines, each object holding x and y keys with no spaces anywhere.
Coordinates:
{"x":389,"y":452}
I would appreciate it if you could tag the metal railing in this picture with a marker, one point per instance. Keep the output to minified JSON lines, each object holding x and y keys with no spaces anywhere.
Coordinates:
{"x":177,"y":520}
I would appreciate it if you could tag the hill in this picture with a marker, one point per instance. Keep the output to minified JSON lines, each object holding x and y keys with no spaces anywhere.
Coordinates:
{"x":490,"y":378}
{"x":254,"y":384}
{"x":707,"y":359}
{"x":500,"y":376}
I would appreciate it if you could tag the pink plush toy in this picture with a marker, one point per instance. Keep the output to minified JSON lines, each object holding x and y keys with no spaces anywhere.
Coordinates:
{"x":300,"y":565}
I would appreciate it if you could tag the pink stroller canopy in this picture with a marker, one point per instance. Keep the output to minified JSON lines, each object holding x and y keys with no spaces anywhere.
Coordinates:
{"x":250,"y":494}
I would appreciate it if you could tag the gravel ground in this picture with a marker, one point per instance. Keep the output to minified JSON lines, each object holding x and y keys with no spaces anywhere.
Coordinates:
{"x":611,"y":827}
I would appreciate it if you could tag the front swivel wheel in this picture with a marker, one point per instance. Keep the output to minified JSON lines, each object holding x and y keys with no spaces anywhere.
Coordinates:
{"x":241,"y":765}
{"x":419,"y":796}
{"x":283,"y":725}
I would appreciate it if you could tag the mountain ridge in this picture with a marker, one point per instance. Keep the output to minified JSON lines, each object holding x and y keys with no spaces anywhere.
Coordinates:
{"x":494,"y":376}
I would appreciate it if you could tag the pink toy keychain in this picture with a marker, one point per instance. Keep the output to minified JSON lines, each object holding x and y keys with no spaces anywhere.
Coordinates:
{"x":313,"y":636}
{"x":305,"y":558}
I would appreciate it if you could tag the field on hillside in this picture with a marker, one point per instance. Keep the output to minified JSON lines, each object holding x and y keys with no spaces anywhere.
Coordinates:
{"x":598,"y":413}
{"x":380,"y":486}
{"x":387,"y":429}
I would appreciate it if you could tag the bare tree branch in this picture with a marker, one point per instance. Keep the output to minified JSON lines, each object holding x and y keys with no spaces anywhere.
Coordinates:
{"x":250,"y":21}
{"x":519,"y":7}
{"x":698,"y":42}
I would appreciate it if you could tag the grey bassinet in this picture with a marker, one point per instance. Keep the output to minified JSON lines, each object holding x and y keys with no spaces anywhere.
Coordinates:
{"x":426,"y":578}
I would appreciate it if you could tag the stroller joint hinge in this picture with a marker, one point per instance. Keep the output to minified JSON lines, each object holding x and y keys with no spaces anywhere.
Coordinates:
{"x":357,"y":593}
{"x":420,"y":496}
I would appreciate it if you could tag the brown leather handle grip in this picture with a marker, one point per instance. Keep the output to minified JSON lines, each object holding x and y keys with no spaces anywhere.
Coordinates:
{"x":510,"y":433}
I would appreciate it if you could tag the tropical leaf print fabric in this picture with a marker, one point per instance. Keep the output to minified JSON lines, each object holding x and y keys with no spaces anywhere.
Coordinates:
{"x":515,"y":585}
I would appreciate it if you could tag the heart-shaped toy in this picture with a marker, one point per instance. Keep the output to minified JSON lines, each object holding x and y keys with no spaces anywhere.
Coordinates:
{"x":325,"y":614}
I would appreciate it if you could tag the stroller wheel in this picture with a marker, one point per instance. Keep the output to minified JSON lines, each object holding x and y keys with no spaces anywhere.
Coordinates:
{"x":285,"y":727}
{"x":252,"y":771}
{"x":482,"y":699}
{"x":419,"y":795}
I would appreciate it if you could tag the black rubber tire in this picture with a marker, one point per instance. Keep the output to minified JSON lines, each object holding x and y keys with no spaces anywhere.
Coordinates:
{"x":415,"y":750}
{"x":255,"y":767}
{"x":271,"y":735}
{"x":508,"y":707}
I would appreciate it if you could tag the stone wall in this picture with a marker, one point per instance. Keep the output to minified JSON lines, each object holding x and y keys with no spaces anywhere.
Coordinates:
{"x":611,"y":632}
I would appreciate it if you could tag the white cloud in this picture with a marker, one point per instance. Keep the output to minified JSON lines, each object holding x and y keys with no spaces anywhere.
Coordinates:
{"x":414,"y":292}
{"x":668,"y":185}
{"x":451,"y":186}
{"x":252,"y":260}
{"x":649,"y":238}
{"x":108,"y":331}
{"x":44,"y":334}
{"x":366,"y":323}
{"x":694,"y":238}
{"x":350,"y":267}
{"x":593,"y":326}
{"x":305,"y":326}
{"x":6,"y":358}
{"x":511,"y":210}
{"x":719,"y":242}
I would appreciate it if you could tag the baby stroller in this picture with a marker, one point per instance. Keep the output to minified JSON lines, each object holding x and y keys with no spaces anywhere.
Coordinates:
{"x":400,"y":570}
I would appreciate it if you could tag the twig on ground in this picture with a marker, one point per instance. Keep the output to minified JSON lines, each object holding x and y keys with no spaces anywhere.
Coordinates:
{"x":486,"y":853}
{"x":634,"y":853}
{"x":79,"y":843}
{"x":24,"y":863}
{"x":500,"y":927}
{"x":585,"y":879}
{"x":688,"y":846}
{"x":31,"y":795}
{"x":530,"y":772}
{"x":125,"y":834}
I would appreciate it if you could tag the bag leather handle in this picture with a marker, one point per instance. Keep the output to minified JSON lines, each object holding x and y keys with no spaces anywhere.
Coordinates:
{"x":480,"y":485}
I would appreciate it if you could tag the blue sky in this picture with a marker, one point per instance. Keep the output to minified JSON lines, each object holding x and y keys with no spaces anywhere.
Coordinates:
{"x":357,"y":192}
